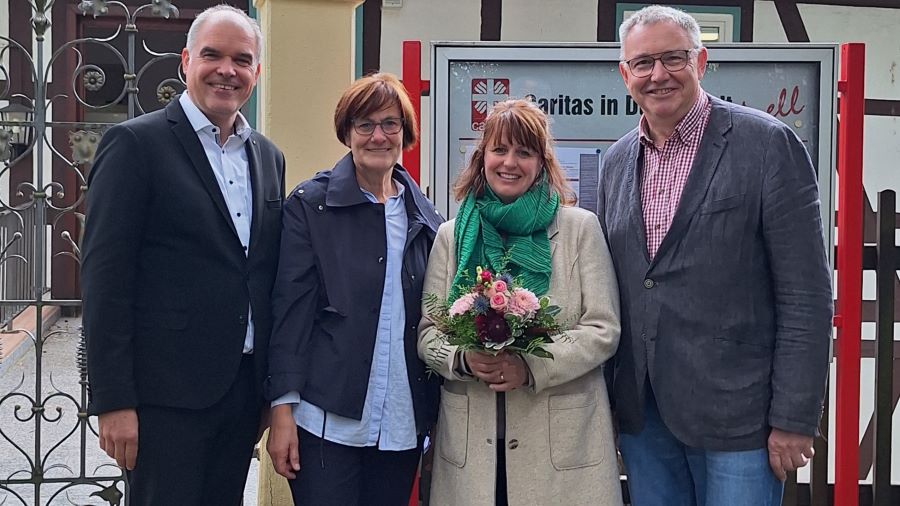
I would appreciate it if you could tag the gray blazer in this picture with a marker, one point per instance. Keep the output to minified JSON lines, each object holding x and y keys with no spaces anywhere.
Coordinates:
{"x":731,"y":321}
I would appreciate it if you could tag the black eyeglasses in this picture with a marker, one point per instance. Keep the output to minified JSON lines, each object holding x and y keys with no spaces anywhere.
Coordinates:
{"x":673,"y":61}
{"x":389,"y":126}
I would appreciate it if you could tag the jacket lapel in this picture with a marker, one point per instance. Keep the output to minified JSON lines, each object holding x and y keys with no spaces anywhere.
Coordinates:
{"x":552,"y":230}
{"x":633,"y":188}
{"x":186,"y":135}
{"x":712,"y":145}
{"x":256,"y":184}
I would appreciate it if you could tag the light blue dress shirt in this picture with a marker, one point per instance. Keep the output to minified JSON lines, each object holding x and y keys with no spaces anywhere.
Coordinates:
{"x":387,"y":418}
{"x":232,"y":170}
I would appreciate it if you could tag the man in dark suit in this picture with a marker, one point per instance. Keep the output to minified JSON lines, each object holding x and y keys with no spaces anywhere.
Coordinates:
{"x":179,"y":255}
{"x":712,"y":215}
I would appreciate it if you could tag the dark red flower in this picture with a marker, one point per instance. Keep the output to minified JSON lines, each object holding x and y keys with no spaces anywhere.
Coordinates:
{"x":491,"y":327}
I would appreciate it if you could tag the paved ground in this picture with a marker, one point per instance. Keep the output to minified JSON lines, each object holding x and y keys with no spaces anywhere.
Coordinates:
{"x":61,"y":433}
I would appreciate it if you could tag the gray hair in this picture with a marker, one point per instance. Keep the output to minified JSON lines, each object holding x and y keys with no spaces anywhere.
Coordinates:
{"x":225,"y":10}
{"x":653,"y":14}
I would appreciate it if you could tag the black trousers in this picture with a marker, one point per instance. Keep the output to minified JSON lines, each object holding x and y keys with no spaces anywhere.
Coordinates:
{"x":333,"y":474}
{"x":197,"y":457}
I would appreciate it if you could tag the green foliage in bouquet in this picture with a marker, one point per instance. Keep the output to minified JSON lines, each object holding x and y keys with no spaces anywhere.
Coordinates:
{"x":494,"y":313}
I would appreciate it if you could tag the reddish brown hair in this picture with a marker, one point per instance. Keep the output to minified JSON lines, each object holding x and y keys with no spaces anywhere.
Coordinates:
{"x":522,"y":122}
{"x":370,"y":94}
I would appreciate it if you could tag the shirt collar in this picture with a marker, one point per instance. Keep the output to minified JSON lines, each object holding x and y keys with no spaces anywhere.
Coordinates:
{"x":685,"y":127}
{"x":397,"y":186}
{"x":200,"y":122}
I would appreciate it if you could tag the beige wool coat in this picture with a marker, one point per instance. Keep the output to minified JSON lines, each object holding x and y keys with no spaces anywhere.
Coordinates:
{"x":559,"y":437}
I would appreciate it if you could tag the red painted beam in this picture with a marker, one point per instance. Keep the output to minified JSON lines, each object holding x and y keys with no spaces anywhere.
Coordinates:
{"x":851,"y":90}
{"x":411,"y":75}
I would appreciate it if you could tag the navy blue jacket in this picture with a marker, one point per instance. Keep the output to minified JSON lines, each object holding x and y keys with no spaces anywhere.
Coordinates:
{"x":328,"y":290}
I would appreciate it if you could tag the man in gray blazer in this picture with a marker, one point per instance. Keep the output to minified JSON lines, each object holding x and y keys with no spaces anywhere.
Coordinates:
{"x":711,"y":211}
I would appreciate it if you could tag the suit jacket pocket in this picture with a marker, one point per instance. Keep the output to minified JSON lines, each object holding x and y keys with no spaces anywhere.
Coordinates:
{"x":722,"y":204}
{"x":576,"y":438}
{"x":273,"y":204}
{"x":453,"y":428}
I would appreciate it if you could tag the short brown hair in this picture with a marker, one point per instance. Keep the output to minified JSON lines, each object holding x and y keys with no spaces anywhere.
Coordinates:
{"x":370,"y":94}
{"x":523,"y":122}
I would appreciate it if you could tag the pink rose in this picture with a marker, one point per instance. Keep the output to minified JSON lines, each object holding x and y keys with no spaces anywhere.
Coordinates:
{"x":499,"y":301}
{"x":462,"y":304}
{"x":523,"y":303}
{"x":499,"y":286}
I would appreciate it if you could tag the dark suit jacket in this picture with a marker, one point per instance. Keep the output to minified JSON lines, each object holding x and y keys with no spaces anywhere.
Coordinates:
{"x":165,"y":280}
{"x":731,"y":320}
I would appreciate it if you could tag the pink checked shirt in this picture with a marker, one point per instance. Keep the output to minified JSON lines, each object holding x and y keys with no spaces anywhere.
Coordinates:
{"x":666,"y":170}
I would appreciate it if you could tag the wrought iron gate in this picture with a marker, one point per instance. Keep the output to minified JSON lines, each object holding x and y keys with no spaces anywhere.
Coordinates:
{"x":50,"y":124}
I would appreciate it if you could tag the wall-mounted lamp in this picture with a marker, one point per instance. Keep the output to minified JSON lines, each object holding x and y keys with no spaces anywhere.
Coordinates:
{"x":16,"y":130}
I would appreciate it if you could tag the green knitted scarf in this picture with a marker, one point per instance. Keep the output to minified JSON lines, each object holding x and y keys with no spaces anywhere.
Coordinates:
{"x":481,"y":224}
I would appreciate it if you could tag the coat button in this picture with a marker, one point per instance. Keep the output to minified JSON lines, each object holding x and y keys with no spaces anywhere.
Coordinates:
{"x":649,"y":283}
{"x":513,"y":444}
{"x":242,"y":320}
{"x":489,"y":441}
{"x":321,"y":207}
{"x":380,"y":259}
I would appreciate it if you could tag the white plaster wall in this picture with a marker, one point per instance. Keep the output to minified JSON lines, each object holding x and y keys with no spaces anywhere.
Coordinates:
{"x":4,"y":28}
{"x":766,"y":24}
{"x":426,"y":21}
{"x":4,"y":64}
{"x":549,"y":20}
{"x":877,"y":28}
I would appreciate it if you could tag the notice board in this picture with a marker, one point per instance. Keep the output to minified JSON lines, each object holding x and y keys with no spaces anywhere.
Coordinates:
{"x":580,"y":88}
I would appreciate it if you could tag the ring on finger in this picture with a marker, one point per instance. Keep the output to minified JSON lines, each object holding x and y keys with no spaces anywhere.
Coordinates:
{"x":501,"y":377}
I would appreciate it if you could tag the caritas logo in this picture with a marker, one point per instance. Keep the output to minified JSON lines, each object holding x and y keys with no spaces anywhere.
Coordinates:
{"x":486,"y":93}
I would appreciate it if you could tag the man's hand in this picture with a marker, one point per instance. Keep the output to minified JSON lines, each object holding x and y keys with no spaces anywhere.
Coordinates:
{"x":788,"y":452}
{"x":119,"y":436}
{"x":283,"y":446}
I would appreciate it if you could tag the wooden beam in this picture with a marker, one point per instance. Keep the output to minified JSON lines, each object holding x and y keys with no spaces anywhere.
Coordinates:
{"x":371,"y":35}
{"x":491,"y":19}
{"x":791,"y":20}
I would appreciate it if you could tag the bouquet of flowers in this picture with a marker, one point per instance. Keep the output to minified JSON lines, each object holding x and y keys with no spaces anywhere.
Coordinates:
{"x":495,"y":314}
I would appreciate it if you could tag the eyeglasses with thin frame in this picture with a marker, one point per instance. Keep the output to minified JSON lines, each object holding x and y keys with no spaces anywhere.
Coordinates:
{"x":389,"y":126}
{"x":673,"y":61}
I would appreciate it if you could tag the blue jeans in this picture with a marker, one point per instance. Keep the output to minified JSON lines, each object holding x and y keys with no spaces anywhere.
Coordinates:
{"x":664,"y":472}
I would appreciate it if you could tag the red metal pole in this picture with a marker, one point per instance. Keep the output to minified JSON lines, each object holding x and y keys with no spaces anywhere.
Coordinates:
{"x":851,"y":89}
{"x":411,"y":75}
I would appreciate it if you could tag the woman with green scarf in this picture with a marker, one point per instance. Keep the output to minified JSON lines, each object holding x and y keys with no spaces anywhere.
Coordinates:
{"x":516,"y":429}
